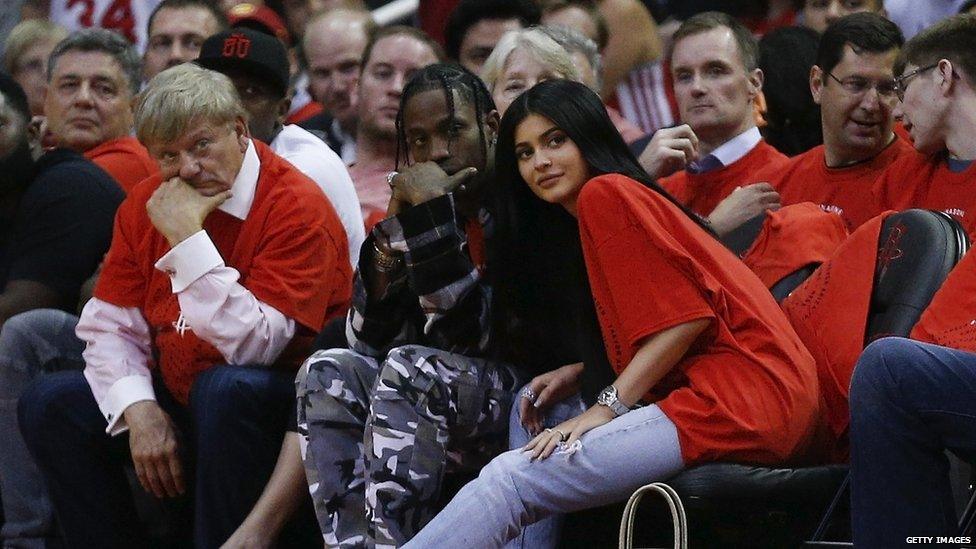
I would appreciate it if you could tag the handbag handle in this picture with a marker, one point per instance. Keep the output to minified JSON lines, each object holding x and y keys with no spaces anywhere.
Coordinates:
{"x":678,"y":518}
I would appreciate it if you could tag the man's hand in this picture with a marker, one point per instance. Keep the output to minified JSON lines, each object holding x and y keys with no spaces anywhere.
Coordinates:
{"x":177,"y":210}
{"x":742,"y":205}
{"x":425,"y":181}
{"x":154,"y":448}
{"x":670,"y":150}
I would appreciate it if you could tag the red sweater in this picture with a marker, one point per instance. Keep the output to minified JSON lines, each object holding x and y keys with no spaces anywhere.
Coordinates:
{"x":291,"y":253}
{"x":845,"y":191}
{"x":702,"y":192}
{"x":125,"y":159}
{"x":918,"y":181}
{"x":746,"y":389}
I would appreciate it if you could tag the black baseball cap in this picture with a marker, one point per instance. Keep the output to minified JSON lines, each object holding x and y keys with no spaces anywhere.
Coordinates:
{"x":250,"y":50}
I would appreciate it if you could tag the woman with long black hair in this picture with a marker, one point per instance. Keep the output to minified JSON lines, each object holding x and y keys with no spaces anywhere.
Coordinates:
{"x":706,"y":365}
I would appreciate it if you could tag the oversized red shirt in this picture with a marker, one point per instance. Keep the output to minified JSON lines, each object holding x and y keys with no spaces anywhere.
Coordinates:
{"x":125,"y":159}
{"x":791,"y":239}
{"x":925,"y":181}
{"x":702,"y":192}
{"x":845,"y":191}
{"x":747,"y":389}
{"x":290,"y":251}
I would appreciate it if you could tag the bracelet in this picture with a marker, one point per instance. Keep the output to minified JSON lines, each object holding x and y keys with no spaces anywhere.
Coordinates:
{"x":384,"y":262}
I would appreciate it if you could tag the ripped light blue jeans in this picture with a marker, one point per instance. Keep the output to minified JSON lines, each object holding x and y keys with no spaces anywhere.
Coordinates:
{"x":512,"y":492}
{"x":545,"y":533}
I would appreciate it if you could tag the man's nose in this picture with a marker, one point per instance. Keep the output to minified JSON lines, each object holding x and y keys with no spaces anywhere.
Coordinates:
{"x":189,"y":166}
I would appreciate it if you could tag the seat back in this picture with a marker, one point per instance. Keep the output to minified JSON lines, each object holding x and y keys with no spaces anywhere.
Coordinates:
{"x":741,"y":238}
{"x":916,"y":251}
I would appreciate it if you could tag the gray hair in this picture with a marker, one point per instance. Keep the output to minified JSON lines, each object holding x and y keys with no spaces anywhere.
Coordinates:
{"x":183,"y":95}
{"x":537,"y":43}
{"x":105,"y":41}
{"x":574,"y":41}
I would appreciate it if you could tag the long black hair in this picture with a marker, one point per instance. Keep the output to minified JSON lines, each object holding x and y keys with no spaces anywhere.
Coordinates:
{"x":538,"y":272}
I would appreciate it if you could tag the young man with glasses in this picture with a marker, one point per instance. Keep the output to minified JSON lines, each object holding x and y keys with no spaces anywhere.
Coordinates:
{"x":853,"y":83}
{"x":938,"y":108}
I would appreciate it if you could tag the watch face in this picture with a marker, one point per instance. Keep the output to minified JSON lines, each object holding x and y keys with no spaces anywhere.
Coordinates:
{"x":606,"y":397}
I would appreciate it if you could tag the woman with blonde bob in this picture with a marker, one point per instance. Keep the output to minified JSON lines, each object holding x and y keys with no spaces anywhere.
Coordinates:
{"x":706,"y":366}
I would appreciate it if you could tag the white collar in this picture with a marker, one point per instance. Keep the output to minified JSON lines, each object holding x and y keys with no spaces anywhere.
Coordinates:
{"x":245,"y":185}
{"x":734,"y":149}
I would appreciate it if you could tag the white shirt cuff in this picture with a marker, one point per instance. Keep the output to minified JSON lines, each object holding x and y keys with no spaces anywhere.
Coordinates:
{"x":122,"y":394}
{"x":189,"y":260}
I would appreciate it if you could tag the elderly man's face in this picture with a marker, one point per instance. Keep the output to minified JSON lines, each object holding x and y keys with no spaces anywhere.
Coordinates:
{"x":207,"y":156}
{"x":392,"y":62}
{"x":89,"y":101}
{"x":334,"y":51}
{"x":175,"y":37}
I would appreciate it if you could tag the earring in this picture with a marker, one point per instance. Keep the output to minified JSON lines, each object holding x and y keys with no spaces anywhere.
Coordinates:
{"x":494,"y":140}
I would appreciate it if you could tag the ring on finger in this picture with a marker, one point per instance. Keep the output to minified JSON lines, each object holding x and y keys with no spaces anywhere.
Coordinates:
{"x":528,"y":393}
{"x":562,"y":435}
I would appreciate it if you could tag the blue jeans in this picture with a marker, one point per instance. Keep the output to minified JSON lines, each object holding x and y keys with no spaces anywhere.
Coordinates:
{"x":32,"y":344}
{"x":512,"y":492}
{"x":231,"y":436}
{"x":545,"y":533}
{"x":910,"y":402}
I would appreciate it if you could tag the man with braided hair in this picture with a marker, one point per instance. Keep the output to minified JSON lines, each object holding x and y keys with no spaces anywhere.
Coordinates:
{"x":419,"y":391}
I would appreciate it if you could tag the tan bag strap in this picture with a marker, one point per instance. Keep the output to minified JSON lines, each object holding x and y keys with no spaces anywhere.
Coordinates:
{"x":678,"y":518}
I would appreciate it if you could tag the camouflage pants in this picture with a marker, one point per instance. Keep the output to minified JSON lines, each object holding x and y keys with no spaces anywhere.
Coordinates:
{"x":379,"y":436}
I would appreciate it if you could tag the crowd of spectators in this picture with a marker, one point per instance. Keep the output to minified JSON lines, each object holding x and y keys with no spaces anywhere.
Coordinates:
{"x":274,"y":273}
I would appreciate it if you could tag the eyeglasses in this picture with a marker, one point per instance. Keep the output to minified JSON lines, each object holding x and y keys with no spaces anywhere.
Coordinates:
{"x":856,"y":85}
{"x":901,"y":83}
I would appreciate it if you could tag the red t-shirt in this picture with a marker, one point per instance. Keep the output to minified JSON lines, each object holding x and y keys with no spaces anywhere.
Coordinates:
{"x":920,"y":181}
{"x":845,"y":191}
{"x":702,"y":192}
{"x":950,"y":320}
{"x":792,"y":238}
{"x":125,"y":159}
{"x":829,"y":312}
{"x":747,"y":389}
{"x":291,"y":253}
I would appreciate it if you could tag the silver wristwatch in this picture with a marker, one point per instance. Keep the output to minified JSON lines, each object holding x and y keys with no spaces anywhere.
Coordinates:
{"x":608,"y":397}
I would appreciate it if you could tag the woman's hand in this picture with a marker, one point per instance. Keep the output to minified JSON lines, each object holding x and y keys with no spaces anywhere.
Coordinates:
{"x":568,"y":432}
{"x":550,"y":388}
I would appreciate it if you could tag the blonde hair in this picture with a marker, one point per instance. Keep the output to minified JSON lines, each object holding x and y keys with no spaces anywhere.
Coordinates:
{"x":24,"y":35}
{"x":535,"y":42}
{"x":183,"y":95}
